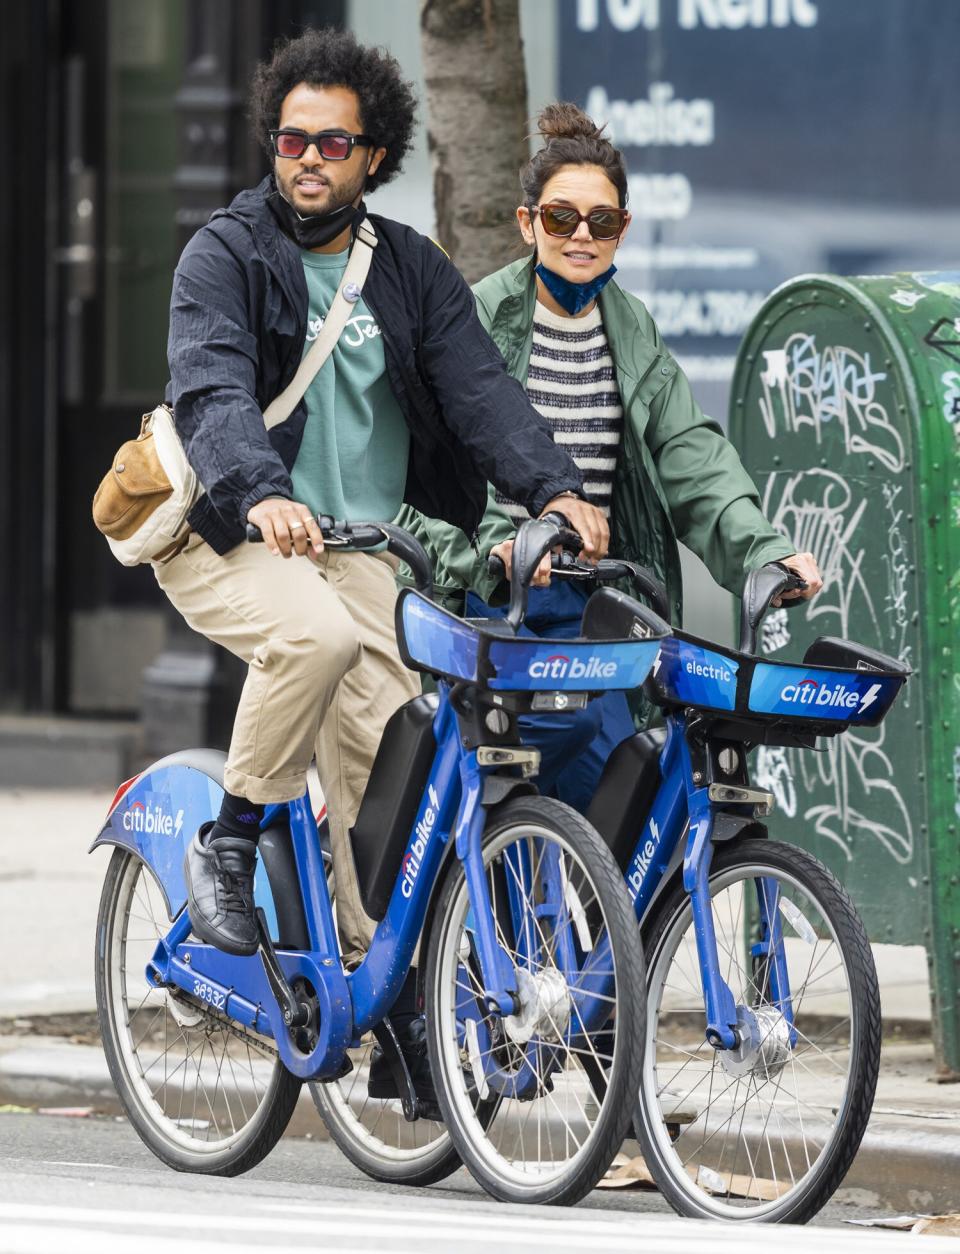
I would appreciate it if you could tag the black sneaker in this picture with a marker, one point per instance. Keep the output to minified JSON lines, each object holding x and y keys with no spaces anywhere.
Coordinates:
{"x":412,"y":1038}
{"x":219,"y":875}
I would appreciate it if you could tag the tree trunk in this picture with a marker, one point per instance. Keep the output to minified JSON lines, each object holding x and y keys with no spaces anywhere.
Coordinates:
{"x":477,"y":123}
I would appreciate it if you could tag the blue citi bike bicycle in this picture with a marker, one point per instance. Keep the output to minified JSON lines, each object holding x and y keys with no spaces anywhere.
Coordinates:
{"x":762,"y":1027}
{"x":532,"y":969}
{"x":763,"y":1010}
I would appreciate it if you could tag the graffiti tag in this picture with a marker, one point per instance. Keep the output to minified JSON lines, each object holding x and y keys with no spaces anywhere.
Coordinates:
{"x":808,"y":387}
{"x":819,"y":512}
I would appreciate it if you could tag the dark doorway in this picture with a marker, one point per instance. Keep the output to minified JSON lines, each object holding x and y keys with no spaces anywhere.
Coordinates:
{"x":124,"y":129}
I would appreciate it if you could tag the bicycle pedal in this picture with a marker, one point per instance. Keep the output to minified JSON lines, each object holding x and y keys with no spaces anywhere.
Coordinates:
{"x":428,"y":1110}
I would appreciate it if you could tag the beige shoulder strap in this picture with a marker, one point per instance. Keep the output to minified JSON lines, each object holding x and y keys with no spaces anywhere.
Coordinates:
{"x":347,"y":295}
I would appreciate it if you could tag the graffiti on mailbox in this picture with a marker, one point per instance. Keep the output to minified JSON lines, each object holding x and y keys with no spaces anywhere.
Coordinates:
{"x":805,"y":386}
{"x":774,"y":631}
{"x":817,"y":510}
{"x":849,"y":789}
{"x":950,"y":382}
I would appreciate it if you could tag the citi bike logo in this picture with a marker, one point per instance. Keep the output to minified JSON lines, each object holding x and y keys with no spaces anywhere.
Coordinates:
{"x":413,"y":858}
{"x":839,"y":696}
{"x":643,"y":857}
{"x":151,"y":820}
{"x":559,"y":666}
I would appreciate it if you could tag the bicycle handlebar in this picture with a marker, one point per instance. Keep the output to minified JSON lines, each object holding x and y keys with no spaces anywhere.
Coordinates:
{"x":360,"y":536}
{"x":607,"y":570}
{"x":759,"y":590}
{"x":537,"y":537}
{"x":565,"y":565}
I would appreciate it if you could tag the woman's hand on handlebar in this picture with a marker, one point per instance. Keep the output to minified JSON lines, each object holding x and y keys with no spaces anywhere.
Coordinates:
{"x":804,"y":565}
{"x":504,"y":551}
{"x":288,"y":527}
{"x":590,"y":522}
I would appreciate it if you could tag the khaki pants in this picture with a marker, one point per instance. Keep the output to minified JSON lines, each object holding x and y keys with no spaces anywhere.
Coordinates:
{"x":324,"y":676}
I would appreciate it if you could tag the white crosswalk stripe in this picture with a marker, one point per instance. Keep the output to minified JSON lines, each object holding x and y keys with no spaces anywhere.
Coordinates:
{"x":391,"y":1224}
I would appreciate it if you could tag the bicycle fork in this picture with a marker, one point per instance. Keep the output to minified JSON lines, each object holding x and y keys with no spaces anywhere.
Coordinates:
{"x":499,"y":978}
{"x":722,"y":1030}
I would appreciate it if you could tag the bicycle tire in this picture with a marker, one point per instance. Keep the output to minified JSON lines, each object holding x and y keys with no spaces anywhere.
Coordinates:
{"x":490,"y":1129}
{"x":384,"y":1148}
{"x":686,"y":1160}
{"x":176,"y":1139}
{"x":373,"y":1134}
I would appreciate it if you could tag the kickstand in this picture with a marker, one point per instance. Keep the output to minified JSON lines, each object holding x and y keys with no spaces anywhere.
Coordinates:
{"x":294,"y":1012}
{"x":386,"y":1038}
{"x":595,"y":1074}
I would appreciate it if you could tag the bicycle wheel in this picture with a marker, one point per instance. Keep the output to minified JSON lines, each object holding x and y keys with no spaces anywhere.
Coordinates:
{"x":203,"y":1092}
{"x":536,"y":1107}
{"x":768,"y":1131}
{"x":373,"y":1133}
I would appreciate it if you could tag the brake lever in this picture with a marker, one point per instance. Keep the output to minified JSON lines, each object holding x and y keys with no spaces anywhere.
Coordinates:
{"x":570,"y":540}
{"x":563,"y":564}
{"x":336,"y":534}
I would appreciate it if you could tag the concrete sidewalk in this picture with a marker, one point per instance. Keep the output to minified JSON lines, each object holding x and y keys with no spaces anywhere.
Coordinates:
{"x":49,"y":1055}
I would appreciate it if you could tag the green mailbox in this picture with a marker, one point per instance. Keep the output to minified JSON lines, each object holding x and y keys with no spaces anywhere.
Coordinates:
{"x":846,"y":410}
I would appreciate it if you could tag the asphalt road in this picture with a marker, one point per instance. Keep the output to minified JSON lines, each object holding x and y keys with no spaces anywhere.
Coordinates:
{"x":69,"y":1186}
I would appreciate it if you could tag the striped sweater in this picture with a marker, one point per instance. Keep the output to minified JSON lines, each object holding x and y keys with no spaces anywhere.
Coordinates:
{"x":571,"y":382}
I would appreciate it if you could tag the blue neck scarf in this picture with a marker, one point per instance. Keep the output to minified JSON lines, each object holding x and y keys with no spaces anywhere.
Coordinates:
{"x":573,"y":296}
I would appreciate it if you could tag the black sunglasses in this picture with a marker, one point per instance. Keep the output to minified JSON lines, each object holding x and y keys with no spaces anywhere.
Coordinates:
{"x":564,"y":221}
{"x":331,"y":145}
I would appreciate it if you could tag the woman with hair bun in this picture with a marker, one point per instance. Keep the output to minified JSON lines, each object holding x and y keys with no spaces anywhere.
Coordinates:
{"x":594,"y":365}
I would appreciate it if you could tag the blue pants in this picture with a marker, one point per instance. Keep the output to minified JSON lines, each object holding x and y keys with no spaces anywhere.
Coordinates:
{"x":574,"y":747}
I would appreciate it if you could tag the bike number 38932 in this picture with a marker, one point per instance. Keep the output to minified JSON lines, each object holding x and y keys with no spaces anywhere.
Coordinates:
{"x":207,"y":993}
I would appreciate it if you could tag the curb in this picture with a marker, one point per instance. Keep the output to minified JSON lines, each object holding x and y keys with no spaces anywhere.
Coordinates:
{"x":904,"y":1164}
{"x":50,"y":1073}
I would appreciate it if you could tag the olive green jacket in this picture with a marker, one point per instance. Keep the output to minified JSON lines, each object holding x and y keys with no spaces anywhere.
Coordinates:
{"x":677,"y":476}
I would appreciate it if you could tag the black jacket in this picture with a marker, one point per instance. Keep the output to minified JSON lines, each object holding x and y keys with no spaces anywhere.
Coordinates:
{"x":238,"y":317}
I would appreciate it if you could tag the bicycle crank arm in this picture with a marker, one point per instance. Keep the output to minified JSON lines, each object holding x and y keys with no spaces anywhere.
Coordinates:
{"x":295,"y":1013}
{"x":386,"y":1038}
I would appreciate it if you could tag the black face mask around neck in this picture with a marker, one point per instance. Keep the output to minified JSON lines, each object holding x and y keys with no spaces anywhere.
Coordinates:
{"x":318,"y":229}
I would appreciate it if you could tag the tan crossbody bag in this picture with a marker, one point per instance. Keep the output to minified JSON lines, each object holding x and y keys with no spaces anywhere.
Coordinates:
{"x":142,"y":502}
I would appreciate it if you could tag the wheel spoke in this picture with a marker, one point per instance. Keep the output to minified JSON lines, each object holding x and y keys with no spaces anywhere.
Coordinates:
{"x":557,"y":917}
{"x":777,"y":1113}
{"x":192,"y":1075}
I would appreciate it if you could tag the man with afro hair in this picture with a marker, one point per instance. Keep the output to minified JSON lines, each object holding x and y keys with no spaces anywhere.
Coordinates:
{"x":413,"y":405}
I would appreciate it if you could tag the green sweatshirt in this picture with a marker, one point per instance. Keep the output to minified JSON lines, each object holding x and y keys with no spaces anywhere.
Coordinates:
{"x":677,"y":475}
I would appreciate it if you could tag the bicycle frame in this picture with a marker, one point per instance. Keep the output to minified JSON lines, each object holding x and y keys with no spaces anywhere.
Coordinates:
{"x":351,"y":1003}
{"x":838,"y":684}
{"x":682,"y":804}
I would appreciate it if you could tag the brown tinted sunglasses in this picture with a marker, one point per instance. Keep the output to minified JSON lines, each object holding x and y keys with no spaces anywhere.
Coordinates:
{"x":563,"y":220}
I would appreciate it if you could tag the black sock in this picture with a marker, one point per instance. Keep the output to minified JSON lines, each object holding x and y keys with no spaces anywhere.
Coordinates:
{"x":238,"y":819}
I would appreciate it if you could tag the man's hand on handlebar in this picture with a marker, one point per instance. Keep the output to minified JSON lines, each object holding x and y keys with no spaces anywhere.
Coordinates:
{"x":287,"y":526}
{"x":584,"y":518}
{"x":541,"y":578}
{"x":804,"y":565}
